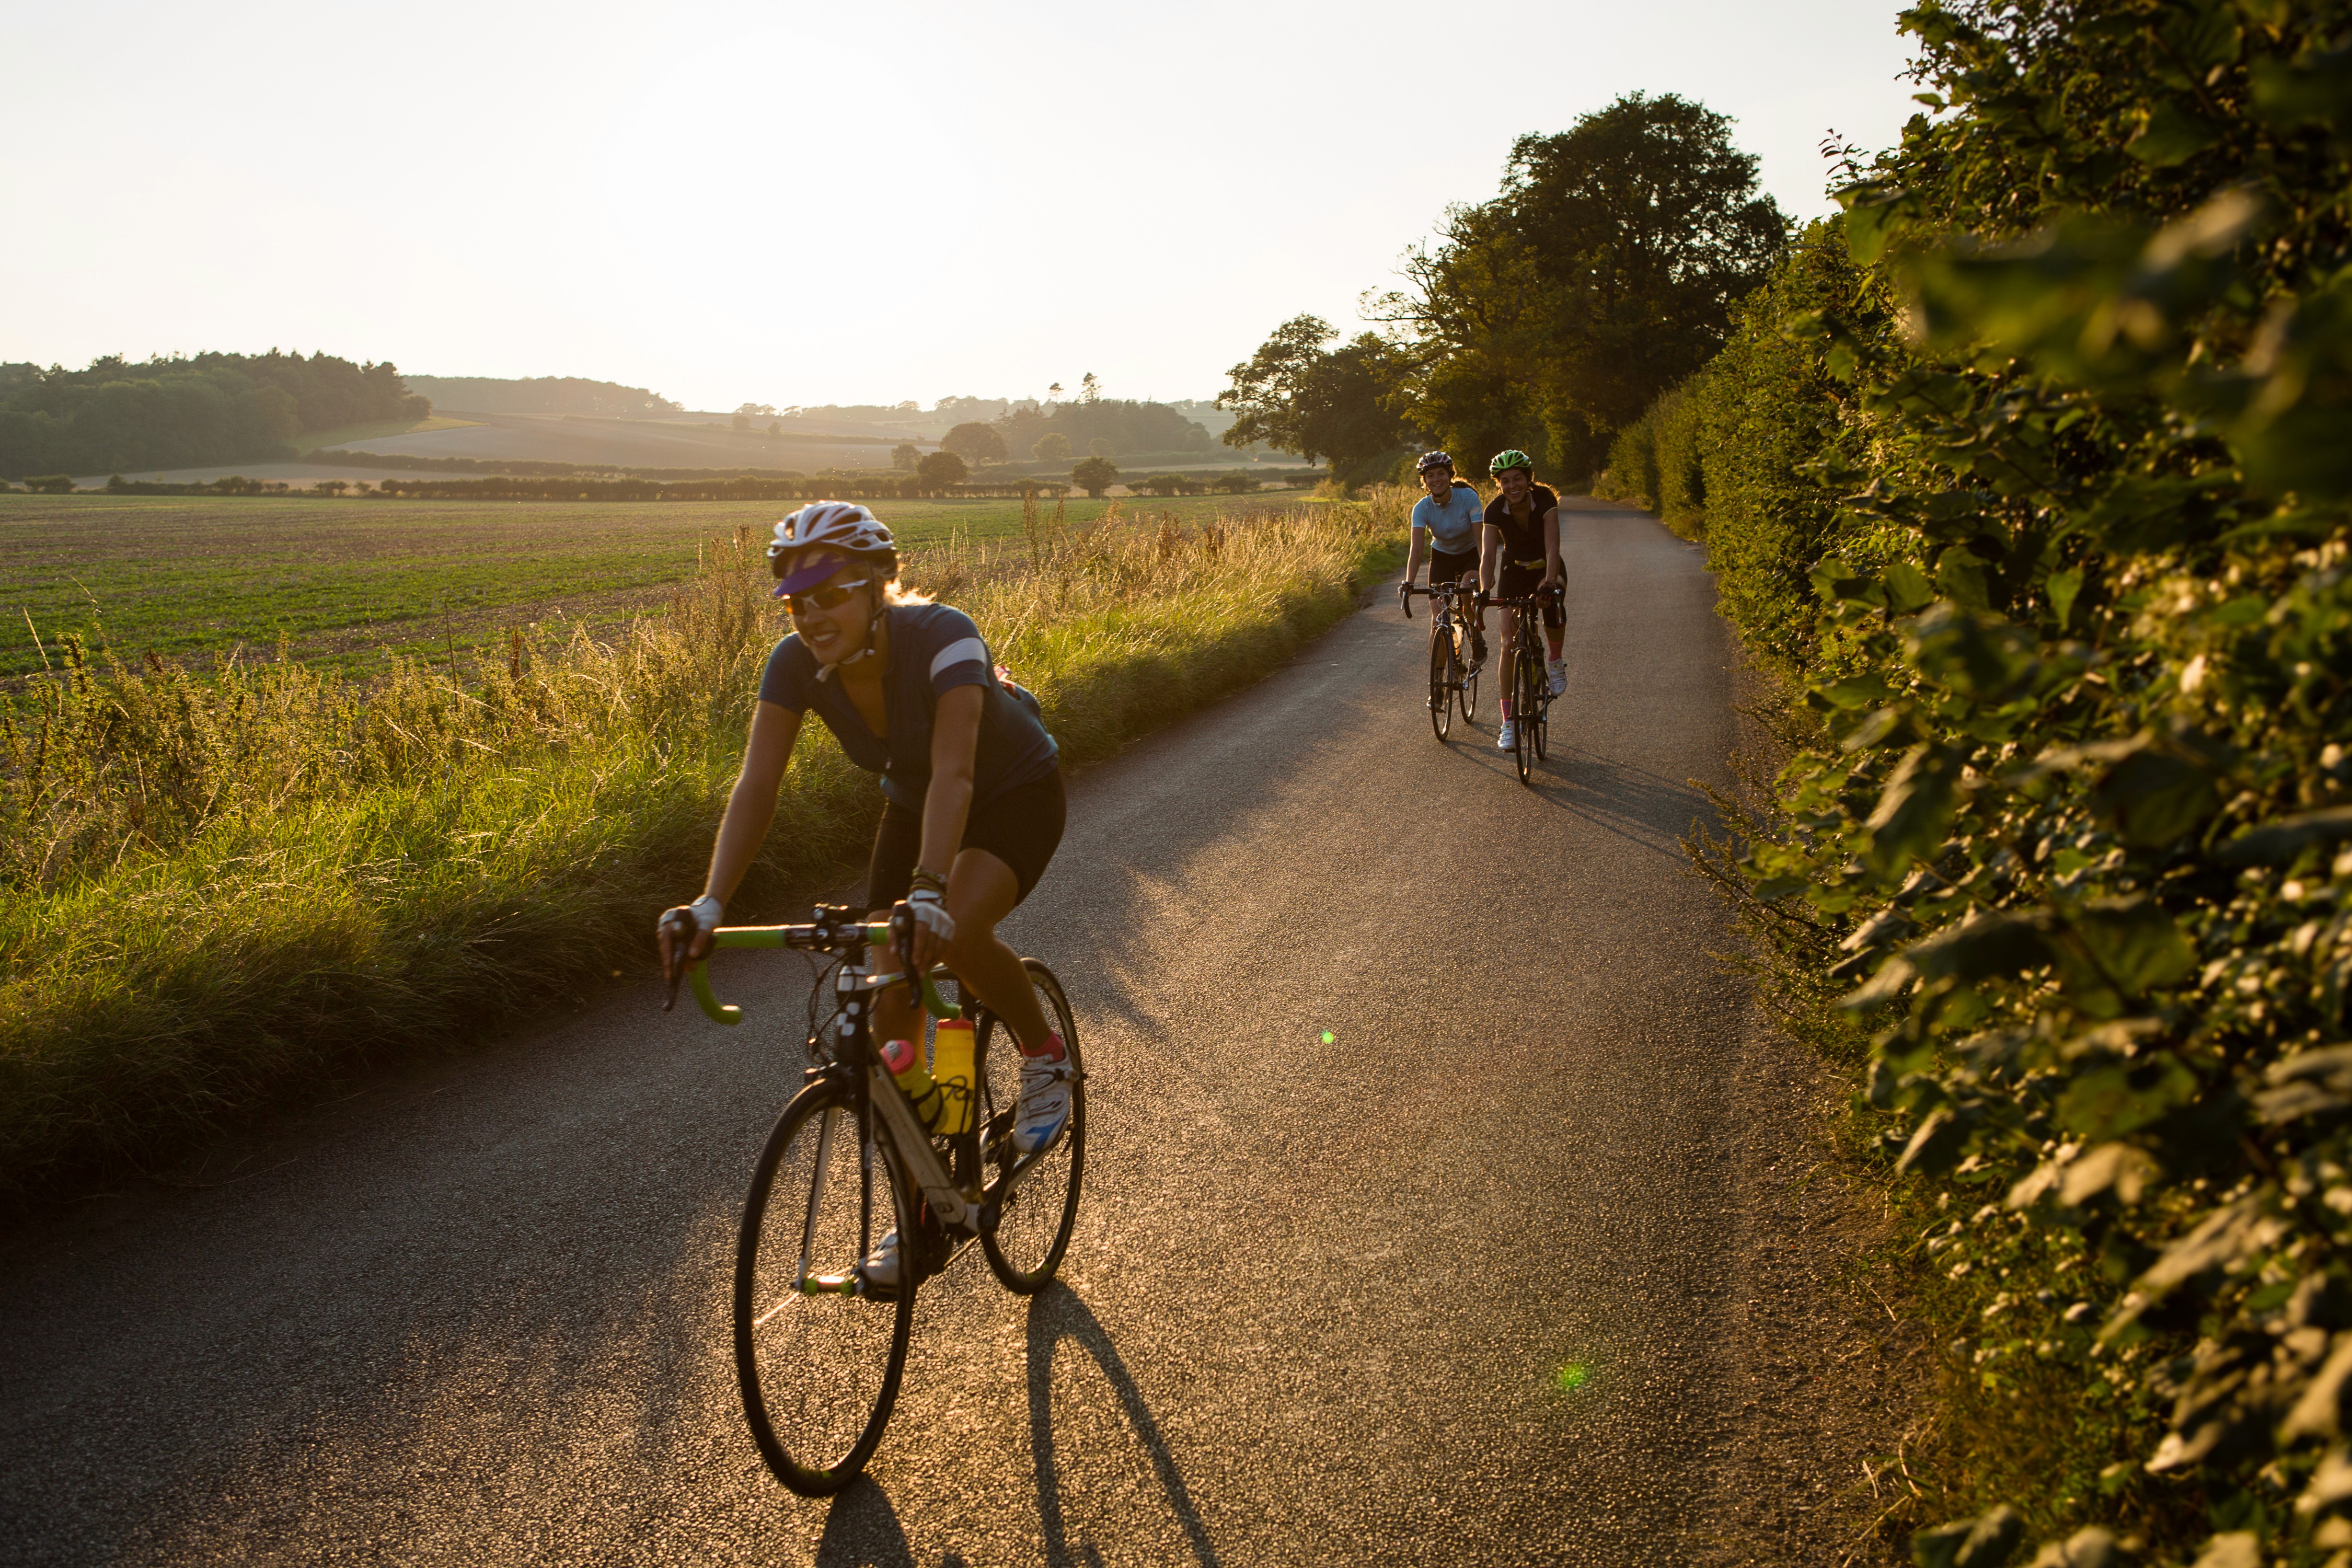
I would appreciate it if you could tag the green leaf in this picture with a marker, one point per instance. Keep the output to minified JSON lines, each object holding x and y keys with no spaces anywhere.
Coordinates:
{"x":2152,"y":798}
{"x":1986,"y":1542}
{"x":1936,"y":1147}
{"x":1960,"y":573}
{"x":1994,"y":947}
{"x":1916,"y":809}
{"x":1858,"y":691}
{"x":2171,"y":136}
{"x":2110,"y":1100}
{"x":1907,"y":588}
{"x":2062,"y":587}
{"x":2135,"y":942}
{"x":2278,"y":843}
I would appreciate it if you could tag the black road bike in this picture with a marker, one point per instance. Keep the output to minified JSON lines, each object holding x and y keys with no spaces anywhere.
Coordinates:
{"x":1523,"y":677}
{"x":1452,"y":676}
{"x":819,"y":1346}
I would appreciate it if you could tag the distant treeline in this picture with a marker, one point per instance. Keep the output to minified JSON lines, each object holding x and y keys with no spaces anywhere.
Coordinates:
{"x":542,"y":395}
{"x":341,"y":458}
{"x":174,"y":413}
{"x":1127,"y":427}
{"x":553,"y":487}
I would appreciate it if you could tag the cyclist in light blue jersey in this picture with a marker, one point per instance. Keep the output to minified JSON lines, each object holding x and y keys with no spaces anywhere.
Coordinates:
{"x":1446,"y":524}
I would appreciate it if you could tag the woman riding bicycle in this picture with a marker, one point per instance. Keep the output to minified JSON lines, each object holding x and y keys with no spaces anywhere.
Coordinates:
{"x":1521,"y":559}
{"x":972,"y":783}
{"x":1446,"y":524}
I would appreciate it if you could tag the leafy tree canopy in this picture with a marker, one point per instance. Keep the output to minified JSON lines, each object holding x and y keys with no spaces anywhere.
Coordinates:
{"x":1053,"y":447}
{"x":937,"y":471}
{"x":976,"y":443}
{"x":1295,"y":395}
{"x":171,"y":412}
{"x":1606,"y":269}
{"x":1095,"y":475}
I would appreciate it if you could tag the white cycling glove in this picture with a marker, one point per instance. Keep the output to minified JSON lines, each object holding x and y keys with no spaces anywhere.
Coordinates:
{"x":926,"y":905}
{"x":706,"y":912}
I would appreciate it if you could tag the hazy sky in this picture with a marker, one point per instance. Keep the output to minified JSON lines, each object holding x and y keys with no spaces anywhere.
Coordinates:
{"x":782,"y":203}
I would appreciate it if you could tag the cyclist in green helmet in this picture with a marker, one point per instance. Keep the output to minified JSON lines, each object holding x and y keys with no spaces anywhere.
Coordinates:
{"x":1521,"y":558}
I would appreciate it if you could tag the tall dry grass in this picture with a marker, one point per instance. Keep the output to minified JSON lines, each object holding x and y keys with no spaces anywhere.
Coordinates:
{"x":221,"y":887}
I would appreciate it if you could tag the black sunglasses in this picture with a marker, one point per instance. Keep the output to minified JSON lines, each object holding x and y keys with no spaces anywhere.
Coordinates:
{"x":825,"y":598}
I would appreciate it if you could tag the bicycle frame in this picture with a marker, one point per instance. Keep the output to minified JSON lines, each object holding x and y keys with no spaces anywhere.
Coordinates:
{"x":960,"y":1209}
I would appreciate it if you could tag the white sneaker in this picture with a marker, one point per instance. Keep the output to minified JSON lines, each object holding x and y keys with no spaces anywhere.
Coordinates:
{"x":881,"y":1267}
{"x":1506,"y":737}
{"x":1558,"y":670}
{"x":1044,"y":1108}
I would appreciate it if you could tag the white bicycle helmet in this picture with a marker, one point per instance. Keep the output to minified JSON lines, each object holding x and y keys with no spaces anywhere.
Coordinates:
{"x":844,"y":525}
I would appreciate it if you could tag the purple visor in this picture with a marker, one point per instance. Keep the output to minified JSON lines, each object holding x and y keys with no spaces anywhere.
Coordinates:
{"x":809,"y":577}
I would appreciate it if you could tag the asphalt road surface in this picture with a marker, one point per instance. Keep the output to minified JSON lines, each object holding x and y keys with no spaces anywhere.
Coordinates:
{"x":1500,"y":1273}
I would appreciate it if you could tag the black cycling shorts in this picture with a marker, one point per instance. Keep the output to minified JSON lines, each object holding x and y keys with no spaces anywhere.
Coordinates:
{"x":1022,"y":827}
{"x":1446,"y":567}
{"x":1518,"y":581}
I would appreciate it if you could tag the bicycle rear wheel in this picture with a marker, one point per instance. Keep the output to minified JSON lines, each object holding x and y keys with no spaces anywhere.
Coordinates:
{"x":1441,"y":696}
{"x":1032,"y":1227}
{"x":1543,"y":716}
{"x":818,"y":1359}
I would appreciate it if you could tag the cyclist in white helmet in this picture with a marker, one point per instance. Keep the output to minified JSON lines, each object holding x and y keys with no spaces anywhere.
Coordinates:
{"x":1445,"y":527}
{"x":972,"y":783}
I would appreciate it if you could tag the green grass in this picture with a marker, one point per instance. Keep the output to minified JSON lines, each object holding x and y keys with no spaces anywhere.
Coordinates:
{"x":226,"y":887}
{"x":345,"y":581}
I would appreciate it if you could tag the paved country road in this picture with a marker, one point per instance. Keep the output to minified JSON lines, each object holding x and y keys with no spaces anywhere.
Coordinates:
{"x":1321,"y":1295}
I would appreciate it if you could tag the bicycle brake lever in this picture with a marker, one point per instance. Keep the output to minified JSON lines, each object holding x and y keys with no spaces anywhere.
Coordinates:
{"x":677,"y":931}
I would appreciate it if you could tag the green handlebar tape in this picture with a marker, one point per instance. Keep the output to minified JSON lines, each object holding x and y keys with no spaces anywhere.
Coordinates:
{"x":699,"y":978}
{"x":748,"y":936}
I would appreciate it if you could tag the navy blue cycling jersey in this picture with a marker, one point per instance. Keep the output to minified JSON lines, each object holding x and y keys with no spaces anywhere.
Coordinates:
{"x":933,"y":650}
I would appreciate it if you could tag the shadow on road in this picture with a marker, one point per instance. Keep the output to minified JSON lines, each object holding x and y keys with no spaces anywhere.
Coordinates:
{"x":1057,"y":1314}
{"x":862,"y":1531}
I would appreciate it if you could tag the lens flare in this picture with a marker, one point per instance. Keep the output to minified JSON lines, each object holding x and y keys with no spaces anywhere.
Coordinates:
{"x":1571,"y":1377}
{"x":1328,"y":1037}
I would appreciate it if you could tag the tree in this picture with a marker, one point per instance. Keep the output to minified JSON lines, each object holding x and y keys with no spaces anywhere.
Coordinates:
{"x":938,"y":470}
{"x":1236,"y":484}
{"x":1053,"y":447}
{"x":1094,"y":475}
{"x":975,"y":442}
{"x":1297,"y":397}
{"x":740,"y":424}
{"x":905,"y":456}
{"x":1089,"y":389}
{"x":775,"y":427}
{"x":1101,"y":446}
{"x":1605,"y":272}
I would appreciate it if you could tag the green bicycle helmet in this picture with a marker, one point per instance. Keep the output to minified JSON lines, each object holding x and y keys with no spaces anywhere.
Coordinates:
{"x":1514,"y":459}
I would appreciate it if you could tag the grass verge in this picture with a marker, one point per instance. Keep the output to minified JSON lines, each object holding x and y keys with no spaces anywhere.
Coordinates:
{"x":226,"y":887}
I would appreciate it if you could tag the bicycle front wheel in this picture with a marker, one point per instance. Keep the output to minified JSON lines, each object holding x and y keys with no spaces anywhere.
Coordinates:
{"x":1441,"y":695}
{"x":1470,"y":695}
{"x":1528,"y":678}
{"x":818,"y":1353}
{"x":1034,"y":1223}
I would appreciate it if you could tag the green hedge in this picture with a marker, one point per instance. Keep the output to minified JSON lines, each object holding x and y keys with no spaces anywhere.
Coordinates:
{"x":2032,"y":477}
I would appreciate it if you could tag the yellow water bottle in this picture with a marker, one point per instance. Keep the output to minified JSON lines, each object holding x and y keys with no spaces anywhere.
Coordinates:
{"x":906,"y":1064}
{"x":953,"y":1074}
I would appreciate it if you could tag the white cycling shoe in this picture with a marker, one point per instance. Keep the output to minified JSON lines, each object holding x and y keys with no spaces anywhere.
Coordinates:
{"x":1506,"y":737}
{"x":881,"y":1267}
{"x":1043,"y":1108}
{"x":1558,"y":670}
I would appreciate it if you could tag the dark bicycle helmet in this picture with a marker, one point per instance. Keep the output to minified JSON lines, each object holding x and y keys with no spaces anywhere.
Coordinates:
{"x":1514,"y":459}
{"x":1435,"y":460}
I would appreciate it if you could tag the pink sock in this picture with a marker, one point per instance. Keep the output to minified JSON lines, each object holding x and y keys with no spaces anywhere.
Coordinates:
{"x":1055,"y":1050}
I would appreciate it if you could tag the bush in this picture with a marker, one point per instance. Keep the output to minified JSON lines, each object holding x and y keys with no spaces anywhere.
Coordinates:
{"x":50,"y":484}
{"x":1095,"y":475}
{"x":937,"y":471}
{"x":2054,"y":540}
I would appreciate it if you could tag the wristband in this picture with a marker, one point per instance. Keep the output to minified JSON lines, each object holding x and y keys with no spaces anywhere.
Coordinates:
{"x":927,"y":879}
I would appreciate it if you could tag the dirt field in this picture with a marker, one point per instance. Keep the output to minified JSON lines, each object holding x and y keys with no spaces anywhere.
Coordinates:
{"x":345,"y":581}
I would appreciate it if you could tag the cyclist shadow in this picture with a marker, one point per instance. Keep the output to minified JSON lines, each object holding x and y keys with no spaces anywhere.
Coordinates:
{"x":1055,"y":1314}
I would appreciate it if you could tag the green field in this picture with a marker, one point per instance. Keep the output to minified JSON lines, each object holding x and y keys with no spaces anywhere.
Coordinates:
{"x":345,"y":581}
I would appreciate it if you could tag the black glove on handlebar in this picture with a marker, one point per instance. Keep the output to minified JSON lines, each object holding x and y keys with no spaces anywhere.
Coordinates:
{"x":1405,"y":599}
